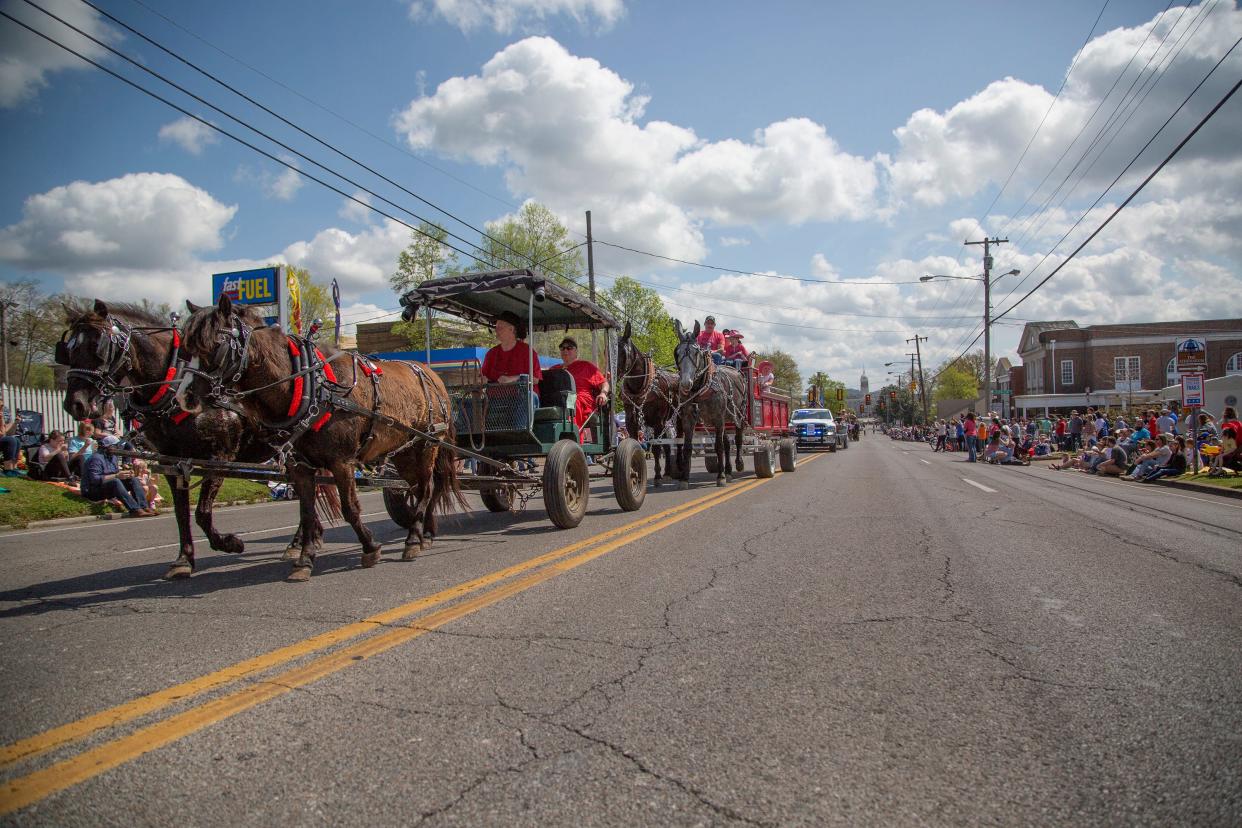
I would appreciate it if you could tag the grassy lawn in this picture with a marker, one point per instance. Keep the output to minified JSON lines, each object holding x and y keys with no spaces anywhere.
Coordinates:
{"x":30,"y":500}
{"x":1234,"y":482}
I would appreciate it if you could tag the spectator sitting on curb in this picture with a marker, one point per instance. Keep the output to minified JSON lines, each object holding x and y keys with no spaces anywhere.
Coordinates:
{"x":103,"y":479}
{"x":1158,"y":455}
{"x":1116,"y":463}
{"x":1173,"y":466}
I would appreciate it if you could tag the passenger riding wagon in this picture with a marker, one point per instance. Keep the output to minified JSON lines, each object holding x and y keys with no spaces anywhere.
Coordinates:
{"x":507,"y":429}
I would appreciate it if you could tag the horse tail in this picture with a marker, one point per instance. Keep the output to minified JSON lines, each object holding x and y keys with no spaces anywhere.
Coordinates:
{"x":328,"y":503}
{"x":446,"y":494}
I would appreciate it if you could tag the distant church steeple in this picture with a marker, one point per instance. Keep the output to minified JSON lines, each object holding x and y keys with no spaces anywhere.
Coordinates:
{"x":863,"y":385}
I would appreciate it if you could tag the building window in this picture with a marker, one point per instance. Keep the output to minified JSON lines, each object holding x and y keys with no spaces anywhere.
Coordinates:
{"x":1127,"y":373}
{"x":1234,"y":365}
{"x":1067,"y":372}
{"x":1171,"y":377}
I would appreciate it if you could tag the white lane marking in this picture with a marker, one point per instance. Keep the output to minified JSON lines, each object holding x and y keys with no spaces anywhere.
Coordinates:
{"x":921,"y":460}
{"x":239,"y":534}
{"x":978,"y":485}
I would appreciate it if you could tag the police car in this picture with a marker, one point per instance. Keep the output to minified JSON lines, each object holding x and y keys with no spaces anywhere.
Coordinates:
{"x":816,"y":428}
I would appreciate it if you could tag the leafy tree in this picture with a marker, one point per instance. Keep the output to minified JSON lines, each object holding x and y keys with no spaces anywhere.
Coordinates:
{"x":425,"y":258}
{"x":974,"y":363}
{"x":826,"y":389}
{"x":956,"y":381}
{"x":534,"y":237}
{"x":33,"y":327}
{"x":643,"y":308}
{"x":784,"y":370}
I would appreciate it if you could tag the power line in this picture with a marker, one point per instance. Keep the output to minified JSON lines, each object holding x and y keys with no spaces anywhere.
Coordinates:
{"x":1085,"y":125}
{"x":1136,"y":157}
{"x":1140,"y":187}
{"x":750,"y":272}
{"x":323,"y":108}
{"x":1048,"y":112}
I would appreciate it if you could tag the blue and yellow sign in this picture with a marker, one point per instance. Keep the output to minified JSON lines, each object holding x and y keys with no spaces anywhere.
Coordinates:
{"x":247,"y":287}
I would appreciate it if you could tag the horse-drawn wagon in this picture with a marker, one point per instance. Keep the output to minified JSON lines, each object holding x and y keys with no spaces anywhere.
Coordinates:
{"x":509,"y":428}
{"x":700,"y":402}
{"x":255,"y":402}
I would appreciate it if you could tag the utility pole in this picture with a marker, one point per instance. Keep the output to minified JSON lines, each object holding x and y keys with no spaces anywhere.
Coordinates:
{"x":591,"y":283}
{"x":987,"y":314}
{"x":912,"y":357}
{"x":922,"y":383}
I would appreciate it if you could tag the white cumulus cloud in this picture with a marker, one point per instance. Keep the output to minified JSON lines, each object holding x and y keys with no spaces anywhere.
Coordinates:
{"x":26,"y":60}
{"x":506,"y":16}
{"x":191,"y":135}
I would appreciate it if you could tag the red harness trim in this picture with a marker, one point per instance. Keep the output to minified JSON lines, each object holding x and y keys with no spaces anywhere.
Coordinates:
{"x":369,"y":368}
{"x":327,"y":369}
{"x":179,"y":417}
{"x":322,"y":421}
{"x":295,"y":404}
{"x":172,"y":371}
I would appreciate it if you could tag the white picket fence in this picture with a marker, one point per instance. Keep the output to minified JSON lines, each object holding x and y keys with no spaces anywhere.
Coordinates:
{"x":48,"y":403}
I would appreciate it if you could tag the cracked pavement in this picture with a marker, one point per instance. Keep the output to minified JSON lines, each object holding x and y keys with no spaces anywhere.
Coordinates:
{"x":869,"y":640}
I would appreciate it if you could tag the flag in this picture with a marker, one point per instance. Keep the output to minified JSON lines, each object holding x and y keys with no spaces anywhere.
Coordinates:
{"x":295,"y":301}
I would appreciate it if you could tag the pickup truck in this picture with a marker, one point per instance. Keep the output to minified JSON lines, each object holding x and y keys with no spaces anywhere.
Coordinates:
{"x":816,"y":428}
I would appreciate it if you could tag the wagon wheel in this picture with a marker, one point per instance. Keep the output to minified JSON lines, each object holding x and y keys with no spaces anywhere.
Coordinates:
{"x":566,"y":485}
{"x":789,"y":454}
{"x":399,"y":503}
{"x":629,"y":475}
{"x":765,"y":461}
{"x":497,"y":498}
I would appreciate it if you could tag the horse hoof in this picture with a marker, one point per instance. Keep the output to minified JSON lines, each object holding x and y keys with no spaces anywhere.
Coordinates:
{"x":411,"y":552}
{"x":178,"y":571}
{"x":232,"y":545}
{"x":292,"y":553}
{"x":370,"y":559}
{"x":739,"y":465}
{"x":720,"y":482}
{"x":299,"y":575}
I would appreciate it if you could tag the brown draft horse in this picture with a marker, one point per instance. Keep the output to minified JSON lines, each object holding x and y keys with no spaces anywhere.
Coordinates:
{"x":648,"y":394}
{"x":360,"y":422}
{"x":125,"y":349}
{"x":711,"y":394}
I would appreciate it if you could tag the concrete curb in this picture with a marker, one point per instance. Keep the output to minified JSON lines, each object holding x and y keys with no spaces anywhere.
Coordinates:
{"x":1198,"y":487}
{"x":68,"y":521}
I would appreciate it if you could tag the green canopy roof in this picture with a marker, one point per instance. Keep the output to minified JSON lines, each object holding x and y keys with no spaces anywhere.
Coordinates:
{"x":482,"y":297}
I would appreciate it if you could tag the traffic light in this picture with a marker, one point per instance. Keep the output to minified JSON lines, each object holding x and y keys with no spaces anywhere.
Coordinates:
{"x":867,"y":400}
{"x":840,"y":394}
{"x":892,"y":395}
{"x":860,"y":408}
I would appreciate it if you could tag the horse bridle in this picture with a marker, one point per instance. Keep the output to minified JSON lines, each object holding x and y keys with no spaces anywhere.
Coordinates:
{"x":707,"y":372}
{"x":112,"y":350}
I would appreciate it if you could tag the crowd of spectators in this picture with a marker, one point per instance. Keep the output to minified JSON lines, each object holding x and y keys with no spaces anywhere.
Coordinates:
{"x":1141,"y":446}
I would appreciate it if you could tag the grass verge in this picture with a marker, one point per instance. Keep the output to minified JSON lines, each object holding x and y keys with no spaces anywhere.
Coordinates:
{"x":1234,"y":482}
{"x":31,"y":500}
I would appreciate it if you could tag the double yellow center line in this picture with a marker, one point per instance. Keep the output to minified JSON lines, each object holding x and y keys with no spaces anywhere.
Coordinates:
{"x":26,"y":790}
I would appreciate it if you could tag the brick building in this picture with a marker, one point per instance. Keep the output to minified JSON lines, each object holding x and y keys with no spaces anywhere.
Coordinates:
{"x":1065,"y":366}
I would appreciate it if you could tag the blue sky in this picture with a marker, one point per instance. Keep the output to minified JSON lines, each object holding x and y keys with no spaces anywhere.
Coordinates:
{"x":849,"y":142}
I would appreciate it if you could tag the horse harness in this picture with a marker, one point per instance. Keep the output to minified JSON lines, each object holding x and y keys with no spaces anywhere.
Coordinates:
{"x":317,"y":393}
{"x":114,"y":356}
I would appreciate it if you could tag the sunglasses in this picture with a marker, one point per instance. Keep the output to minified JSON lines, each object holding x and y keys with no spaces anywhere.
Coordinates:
{"x":569,"y":347}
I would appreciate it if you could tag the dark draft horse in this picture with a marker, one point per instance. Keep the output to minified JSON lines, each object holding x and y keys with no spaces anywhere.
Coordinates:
{"x":126,"y":350}
{"x":710,"y":394}
{"x":362,"y":422}
{"x":649,"y":395}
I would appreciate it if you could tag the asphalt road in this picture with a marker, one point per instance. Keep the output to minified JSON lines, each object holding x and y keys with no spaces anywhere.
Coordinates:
{"x":886,"y":636}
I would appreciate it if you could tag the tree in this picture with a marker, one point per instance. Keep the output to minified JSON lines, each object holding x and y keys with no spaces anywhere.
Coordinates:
{"x":975,"y":364}
{"x":534,"y":238}
{"x":643,"y":308}
{"x":826,"y":387}
{"x":785,"y":371}
{"x":956,"y":381}
{"x":426,"y":257}
{"x":33,"y":328}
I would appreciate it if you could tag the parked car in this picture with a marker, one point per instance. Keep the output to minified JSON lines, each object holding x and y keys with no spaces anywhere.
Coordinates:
{"x":816,"y":428}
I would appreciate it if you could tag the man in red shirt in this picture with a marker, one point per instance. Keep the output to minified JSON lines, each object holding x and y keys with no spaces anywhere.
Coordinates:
{"x":592,"y":386}
{"x":712,"y":340}
{"x":505,"y":362}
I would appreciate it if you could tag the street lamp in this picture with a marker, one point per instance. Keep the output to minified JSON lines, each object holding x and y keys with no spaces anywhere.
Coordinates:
{"x":987,"y":319}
